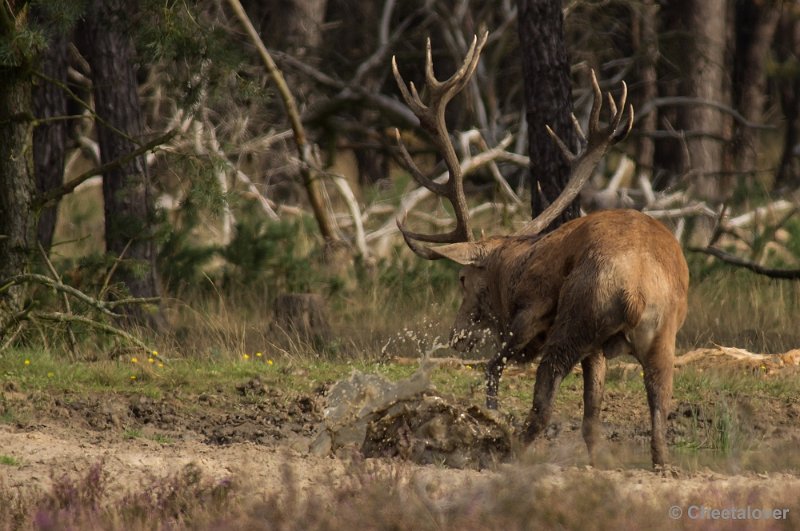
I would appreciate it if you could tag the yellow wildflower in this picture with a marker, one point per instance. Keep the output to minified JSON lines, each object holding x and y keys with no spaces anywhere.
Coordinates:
{"x":27,"y":362}
{"x":133,"y":377}
{"x":50,"y":374}
{"x":134,"y":360}
{"x":258,"y":354}
{"x":150,"y":360}
{"x":269,"y":362}
{"x":245,"y":357}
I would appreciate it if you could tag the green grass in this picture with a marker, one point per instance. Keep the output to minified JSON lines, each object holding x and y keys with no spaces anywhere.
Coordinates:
{"x":730,"y":306}
{"x":9,"y":460}
{"x":132,"y":433}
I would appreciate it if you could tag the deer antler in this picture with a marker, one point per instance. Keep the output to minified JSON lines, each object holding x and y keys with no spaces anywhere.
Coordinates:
{"x":594,"y":147}
{"x":431,"y":118}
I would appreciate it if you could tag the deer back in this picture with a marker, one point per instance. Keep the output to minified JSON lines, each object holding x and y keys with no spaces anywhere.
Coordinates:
{"x":611,"y":268}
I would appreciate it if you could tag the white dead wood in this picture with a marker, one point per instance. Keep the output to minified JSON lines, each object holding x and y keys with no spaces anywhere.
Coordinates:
{"x":207,"y":132}
{"x":691,"y":210}
{"x":647,"y":189}
{"x":474,"y":136}
{"x":349,"y":198}
{"x":256,"y":194}
{"x":764,"y":214}
{"x":468,"y":165}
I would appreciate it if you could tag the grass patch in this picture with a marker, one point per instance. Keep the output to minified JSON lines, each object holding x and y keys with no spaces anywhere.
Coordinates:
{"x":132,"y":433}
{"x":9,"y":460}
{"x":733,"y":307}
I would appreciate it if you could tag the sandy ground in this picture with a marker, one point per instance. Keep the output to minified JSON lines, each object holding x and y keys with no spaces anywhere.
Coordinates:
{"x":255,"y":439}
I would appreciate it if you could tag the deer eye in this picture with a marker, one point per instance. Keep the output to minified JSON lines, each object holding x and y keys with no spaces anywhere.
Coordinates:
{"x":462,"y":279}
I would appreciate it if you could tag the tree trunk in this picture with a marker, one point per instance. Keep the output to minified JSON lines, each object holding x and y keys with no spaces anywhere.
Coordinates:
{"x":647,"y":47}
{"x":755,"y":28}
{"x":17,"y":184}
{"x":106,"y":43}
{"x":707,"y":23}
{"x":548,"y":101}
{"x":788,"y":52}
{"x":49,"y":138}
{"x":305,"y":25}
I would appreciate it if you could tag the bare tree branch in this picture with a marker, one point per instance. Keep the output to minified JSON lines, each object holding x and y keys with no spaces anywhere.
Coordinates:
{"x":311,"y":181}
{"x":50,"y":197}
{"x":785,"y":274}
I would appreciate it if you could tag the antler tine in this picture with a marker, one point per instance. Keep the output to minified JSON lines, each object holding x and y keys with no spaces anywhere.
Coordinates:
{"x":623,"y":133}
{"x":416,"y":173}
{"x":617,"y":116}
{"x":597,"y":104}
{"x":430,"y":76}
{"x":612,"y":105}
{"x":411,"y":97}
{"x":568,"y":154}
{"x":431,"y":117}
{"x":583,"y":164}
{"x":578,"y":129}
{"x":451,"y":86}
{"x":419,"y":250}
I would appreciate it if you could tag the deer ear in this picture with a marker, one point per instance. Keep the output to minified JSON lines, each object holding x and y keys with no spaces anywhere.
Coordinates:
{"x":467,"y":253}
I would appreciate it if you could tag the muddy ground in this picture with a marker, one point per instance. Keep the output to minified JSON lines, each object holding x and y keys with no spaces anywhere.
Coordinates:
{"x":251,"y":433}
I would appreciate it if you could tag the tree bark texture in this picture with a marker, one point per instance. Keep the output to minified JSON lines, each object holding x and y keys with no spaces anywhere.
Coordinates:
{"x":756,"y":23}
{"x":548,"y":101}
{"x":647,"y":55}
{"x":17,"y":184}
{"x":49,"y":138}
{"x":105,"y":39}
{"x":788,"y":53}
{"x":707,"y":25}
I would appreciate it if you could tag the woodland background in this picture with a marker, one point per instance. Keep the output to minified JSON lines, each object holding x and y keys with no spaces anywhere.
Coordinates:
{"x":149,"y":159}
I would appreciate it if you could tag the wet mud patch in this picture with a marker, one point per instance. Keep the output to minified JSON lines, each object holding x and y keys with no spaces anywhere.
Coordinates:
{"x":409,"y":420}
{"x":265,"y":417}
{"x":431,"y":430}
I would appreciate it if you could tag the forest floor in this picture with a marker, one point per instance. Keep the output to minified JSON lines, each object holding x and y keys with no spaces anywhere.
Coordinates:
{"x":734,"y":442}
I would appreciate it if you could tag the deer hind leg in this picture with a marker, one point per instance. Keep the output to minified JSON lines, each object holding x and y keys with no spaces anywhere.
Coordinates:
{"x":594,"y":375}
{"x":658,"y":368}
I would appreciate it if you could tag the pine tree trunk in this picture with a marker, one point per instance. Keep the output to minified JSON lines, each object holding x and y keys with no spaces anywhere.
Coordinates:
{"x":787,"y":177}
{"x":707,"y":23}
{"x":49,"y":138}
{"x":647,"y":48}
{"x":755,"y":29}
{"x":17,"y":185}
{"x":548,"y":101}
{"x":105,"y":40}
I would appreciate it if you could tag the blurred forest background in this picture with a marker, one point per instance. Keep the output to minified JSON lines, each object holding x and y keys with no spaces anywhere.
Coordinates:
{"x":168,"y":177}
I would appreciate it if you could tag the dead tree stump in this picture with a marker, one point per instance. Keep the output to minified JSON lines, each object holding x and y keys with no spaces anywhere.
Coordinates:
{"x":304,"y":315}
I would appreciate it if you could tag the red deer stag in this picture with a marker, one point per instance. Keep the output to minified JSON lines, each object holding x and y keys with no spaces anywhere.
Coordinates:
{"x":608,"y":283}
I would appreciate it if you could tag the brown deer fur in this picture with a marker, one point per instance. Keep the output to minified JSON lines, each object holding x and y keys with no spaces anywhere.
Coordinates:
{"x":608,"y":283}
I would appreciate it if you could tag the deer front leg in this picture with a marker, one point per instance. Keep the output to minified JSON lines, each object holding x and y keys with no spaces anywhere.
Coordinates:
{"x":520,"y":344}
{"x":494,"y":370}
{"x":555,"y":365}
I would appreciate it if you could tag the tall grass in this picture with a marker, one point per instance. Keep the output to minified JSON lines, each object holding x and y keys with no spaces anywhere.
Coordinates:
{"x":733,"y":307}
